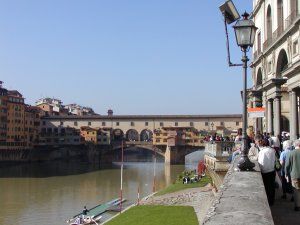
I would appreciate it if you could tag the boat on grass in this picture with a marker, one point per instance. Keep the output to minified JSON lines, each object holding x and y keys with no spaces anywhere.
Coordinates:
{"x":94,"y":214}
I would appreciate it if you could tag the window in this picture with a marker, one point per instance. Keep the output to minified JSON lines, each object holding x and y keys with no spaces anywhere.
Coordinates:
{"x":259,"y":43}
{"x":206,"y":123}
{"x":132,"y":124}
{"x":237,"y":123}
{"x":146,"y":123}
{"x":103,"y":124}
{"x":191,"y":124}
{"x":89,"y":123}
{"x":269,"y":66}
{"x":222,"y":123}
{"x":161,"y":124}
{"x":269,"y":23}
{"x":295,"y":47}
{"x":117,"y":123}
{"x":176,"y":124}
{"x":75,"y":124}
{"x":157,"y":140}
{"x":44,"y":123}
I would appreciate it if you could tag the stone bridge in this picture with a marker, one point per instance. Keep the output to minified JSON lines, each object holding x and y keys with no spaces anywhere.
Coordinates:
{"x":172,"y":155}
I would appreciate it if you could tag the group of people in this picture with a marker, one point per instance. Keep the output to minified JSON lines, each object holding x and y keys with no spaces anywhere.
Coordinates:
{"x":277,"y":155}
{"x":215,"y":137}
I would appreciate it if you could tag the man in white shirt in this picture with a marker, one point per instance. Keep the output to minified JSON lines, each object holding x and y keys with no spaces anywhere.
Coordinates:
{"x":266,"y":161}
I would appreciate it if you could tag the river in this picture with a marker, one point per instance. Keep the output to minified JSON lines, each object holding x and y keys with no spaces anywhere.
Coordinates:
{"x":50,"y":193}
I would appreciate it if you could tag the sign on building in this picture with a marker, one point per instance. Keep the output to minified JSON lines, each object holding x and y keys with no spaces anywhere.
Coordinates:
{"x":258,"y":112}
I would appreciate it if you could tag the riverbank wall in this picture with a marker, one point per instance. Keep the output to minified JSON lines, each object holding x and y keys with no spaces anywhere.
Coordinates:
{"x":91,"y":153}
{"x":241,"y":199}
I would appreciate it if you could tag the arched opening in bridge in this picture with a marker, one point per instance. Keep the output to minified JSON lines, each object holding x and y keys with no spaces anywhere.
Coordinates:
{"x":282,"y":63}
{"x":138,"y":154}
{"x":118,"y":135}
{"x":132,"y":135}
{"x":146,"y":135}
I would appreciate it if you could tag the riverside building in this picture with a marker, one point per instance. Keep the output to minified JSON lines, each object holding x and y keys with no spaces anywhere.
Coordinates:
{"x":276,"y":66}
{"x":3,"y":116}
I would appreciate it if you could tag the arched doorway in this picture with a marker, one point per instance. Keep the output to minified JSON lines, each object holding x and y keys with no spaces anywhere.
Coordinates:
{"x":132,"y":135}
{"x":118,"y":135}
{"x":146,"y":135}
{"x":282,"y":63}
{"x":285,"y":124}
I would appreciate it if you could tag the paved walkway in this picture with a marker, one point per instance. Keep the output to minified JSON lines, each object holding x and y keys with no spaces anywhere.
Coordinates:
{"x":283,"y":210}
{"x":199,"y":198}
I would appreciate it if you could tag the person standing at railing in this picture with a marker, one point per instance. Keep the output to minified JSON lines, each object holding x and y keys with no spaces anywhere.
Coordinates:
{"x":254,"y":150}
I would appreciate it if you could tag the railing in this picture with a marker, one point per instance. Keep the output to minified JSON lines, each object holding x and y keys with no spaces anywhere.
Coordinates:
{"x":219,"y":149}
{"x":288,"y":22}
{"x":267,"y":43}
{"x":278,"y":32}
{"x":255,"y":54}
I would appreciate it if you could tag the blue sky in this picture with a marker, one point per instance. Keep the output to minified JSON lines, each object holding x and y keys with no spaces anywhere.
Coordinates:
{"x":134,"y":56}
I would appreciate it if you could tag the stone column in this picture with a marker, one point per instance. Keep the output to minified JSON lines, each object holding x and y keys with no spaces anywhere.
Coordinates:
{"x":293,"y":115}
{"x":270,"y":116}
{"x":277,"y":115}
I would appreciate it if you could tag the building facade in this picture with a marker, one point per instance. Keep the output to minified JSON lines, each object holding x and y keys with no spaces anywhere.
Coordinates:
{"x":3,"y":116}
{"x":276,"y":66}
{"x":141,"y":128}
{"x":15,"y":121}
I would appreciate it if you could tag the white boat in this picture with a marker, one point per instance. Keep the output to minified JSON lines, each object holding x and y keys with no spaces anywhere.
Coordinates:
{"x":85,"y":220}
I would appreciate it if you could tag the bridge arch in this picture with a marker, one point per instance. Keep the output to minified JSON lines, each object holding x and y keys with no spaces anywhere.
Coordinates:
{"x":146,"y":135}
{"x":117,"y":134}
{"x":132,"y":135}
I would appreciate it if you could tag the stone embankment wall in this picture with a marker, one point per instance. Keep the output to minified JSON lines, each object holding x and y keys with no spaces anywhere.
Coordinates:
{"x":91,"y":153}
{"x":240,"y":200}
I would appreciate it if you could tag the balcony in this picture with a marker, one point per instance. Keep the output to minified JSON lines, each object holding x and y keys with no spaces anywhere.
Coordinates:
{"x":267,"y":43}
{"x":288,"y":22}
{"x":278,"y":32}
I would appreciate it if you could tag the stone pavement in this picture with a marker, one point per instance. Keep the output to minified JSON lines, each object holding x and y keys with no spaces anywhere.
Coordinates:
{"x":283,"y":210}
{"x":199,"y":198}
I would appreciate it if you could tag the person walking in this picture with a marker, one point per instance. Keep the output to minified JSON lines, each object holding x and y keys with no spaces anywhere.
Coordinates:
{"x":266,"y":161}
{"x":286,"y":183}
{"x":254,"y":150}
{"x":292,"y":168}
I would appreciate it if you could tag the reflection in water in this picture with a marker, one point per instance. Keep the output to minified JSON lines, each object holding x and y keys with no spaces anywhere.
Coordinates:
{"x":50,"y":193}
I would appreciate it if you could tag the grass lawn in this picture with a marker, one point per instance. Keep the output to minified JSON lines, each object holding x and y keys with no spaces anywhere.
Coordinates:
{"x":178,"y":185}
{"x":157,"y":215}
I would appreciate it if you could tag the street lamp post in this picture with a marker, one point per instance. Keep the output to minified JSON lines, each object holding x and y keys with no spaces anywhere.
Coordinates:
{"x":245,"y":31}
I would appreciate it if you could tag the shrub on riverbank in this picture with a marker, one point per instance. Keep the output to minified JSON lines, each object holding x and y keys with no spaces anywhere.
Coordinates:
{"x":158,"y":215}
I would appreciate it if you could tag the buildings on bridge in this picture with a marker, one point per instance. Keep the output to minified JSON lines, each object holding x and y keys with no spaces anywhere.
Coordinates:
{"x":276,"y":66}
{"x":141,"y":128}
{"x":176,"y":136}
